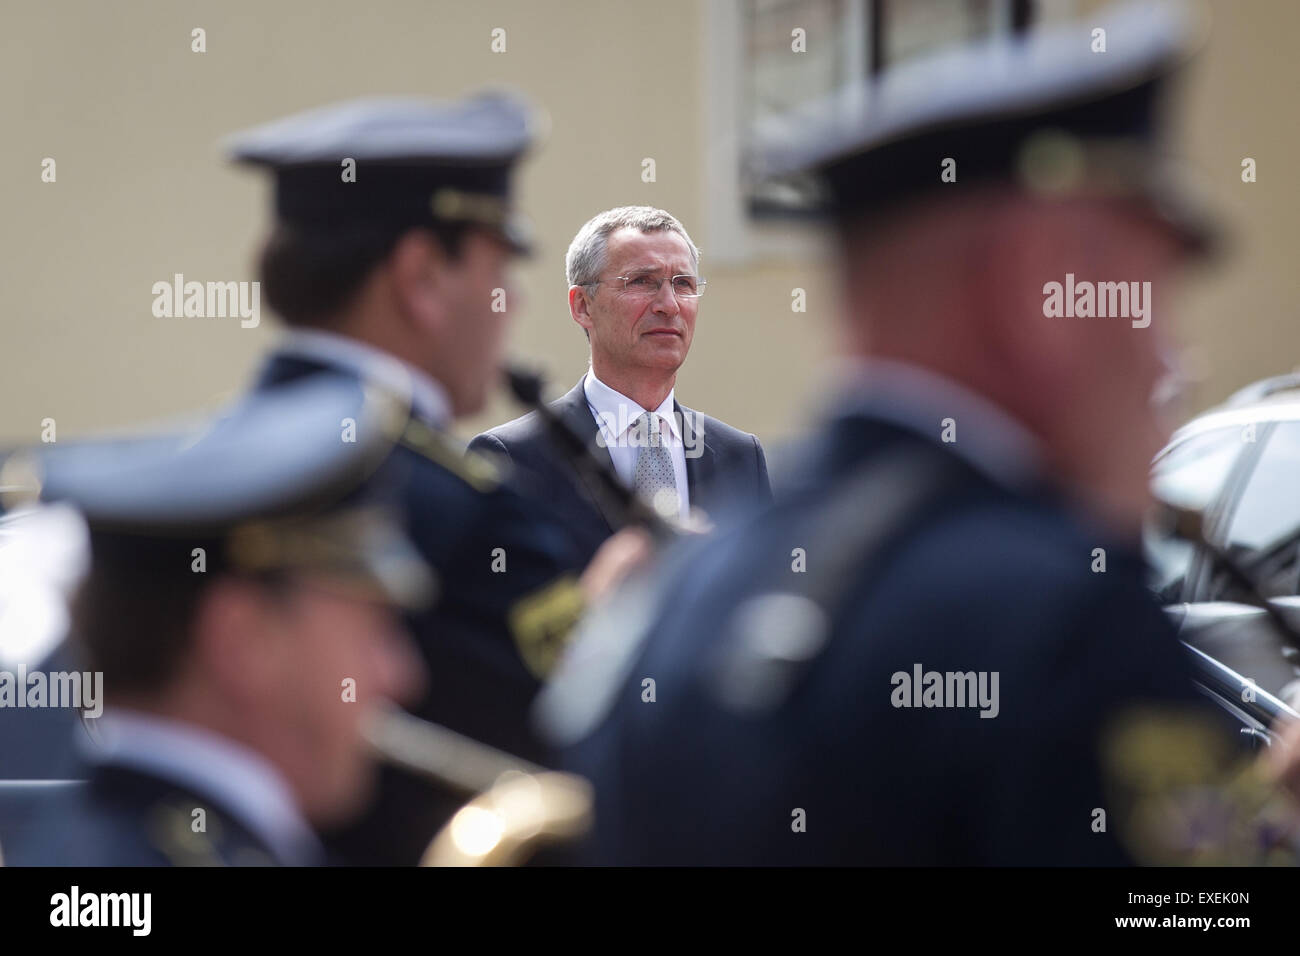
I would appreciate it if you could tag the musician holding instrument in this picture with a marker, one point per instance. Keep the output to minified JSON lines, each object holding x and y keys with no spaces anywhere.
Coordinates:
{"x":635,"y":290}
{"x":388,"y":259}
{"x":242,"y":605}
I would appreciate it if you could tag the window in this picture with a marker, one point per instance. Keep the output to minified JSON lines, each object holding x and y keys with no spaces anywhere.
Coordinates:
{"x":754,"y":74}
{"x":1265,"y":528}
{"x":1191,"y":475}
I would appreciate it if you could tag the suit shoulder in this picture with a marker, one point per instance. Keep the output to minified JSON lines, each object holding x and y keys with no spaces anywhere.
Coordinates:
{"x":717,"y":431}
{"x":525,"y":428}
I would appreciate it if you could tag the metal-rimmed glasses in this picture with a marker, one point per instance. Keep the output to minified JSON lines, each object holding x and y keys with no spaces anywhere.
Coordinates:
{"x":644,"y":283}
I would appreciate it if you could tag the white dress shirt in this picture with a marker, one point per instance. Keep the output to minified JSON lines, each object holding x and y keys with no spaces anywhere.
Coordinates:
{"x":616,"y":417}
{"x":242,"y":782}
{"x":919,"y":399}
{"x":427,"y":396}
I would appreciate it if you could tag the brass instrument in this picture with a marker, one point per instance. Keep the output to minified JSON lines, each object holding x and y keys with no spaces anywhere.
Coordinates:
{"x":517,"y":806}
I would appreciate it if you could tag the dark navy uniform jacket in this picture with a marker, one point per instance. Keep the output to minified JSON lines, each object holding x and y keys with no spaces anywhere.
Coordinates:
{"x":122,"y":816}
{"x":985,"y":578}
{"x":481,"y":675}
{"x":729,"y":472}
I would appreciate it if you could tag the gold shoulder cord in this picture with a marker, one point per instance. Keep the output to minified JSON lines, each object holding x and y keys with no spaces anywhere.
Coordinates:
{"x":393,"y":412}
{"x":543,"y":620}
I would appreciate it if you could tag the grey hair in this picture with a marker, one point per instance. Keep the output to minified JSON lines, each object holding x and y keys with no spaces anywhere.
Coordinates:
{"x":586,"y":257}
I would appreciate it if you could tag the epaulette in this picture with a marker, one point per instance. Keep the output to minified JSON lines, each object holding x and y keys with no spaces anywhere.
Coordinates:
{"x":170,"y":829}
{"x":476,"y":470}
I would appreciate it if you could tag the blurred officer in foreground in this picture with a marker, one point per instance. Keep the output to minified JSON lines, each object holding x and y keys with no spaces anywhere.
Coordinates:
{"x":926,"y":653}
{"x":241,"y":607}
{"x":388,"y":259}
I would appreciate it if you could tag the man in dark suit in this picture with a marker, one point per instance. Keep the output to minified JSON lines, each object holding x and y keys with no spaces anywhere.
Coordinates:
{"x":241,"y":608}
{"x":634,"y":288}
{"x":937,"y":648}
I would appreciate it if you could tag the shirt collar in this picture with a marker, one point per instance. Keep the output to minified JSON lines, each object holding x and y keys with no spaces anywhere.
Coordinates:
{"x":241,"y":780}
{"x":919,"y":399}
{"x":611,"y":406}
{"x":426,"y":394}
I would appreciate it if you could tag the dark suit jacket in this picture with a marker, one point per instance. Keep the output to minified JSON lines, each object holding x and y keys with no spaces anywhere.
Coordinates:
{"x":730,"y":472}
{"x":985,"y":579}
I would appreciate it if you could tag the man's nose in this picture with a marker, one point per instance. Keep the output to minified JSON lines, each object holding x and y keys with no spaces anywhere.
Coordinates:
{"x":403,"y":671}
{"x":666,"y":299}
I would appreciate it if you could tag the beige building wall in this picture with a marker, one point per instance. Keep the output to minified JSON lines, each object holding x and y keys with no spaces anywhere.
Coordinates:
{"x":132,"y":117}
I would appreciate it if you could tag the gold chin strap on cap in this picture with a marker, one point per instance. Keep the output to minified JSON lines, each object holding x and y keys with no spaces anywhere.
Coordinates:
{"x":360,"y":548}
{"x":455,"y":205}
{"x":1054,"y":162}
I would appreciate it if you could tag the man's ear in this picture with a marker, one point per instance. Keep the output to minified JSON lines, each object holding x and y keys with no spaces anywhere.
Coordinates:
{"x":580,"y":307}
{"x":420,"y":273}
{"x":230,"y":640}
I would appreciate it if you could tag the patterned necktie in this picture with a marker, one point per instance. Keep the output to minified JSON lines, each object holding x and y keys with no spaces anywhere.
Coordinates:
{"x":654,"y":479}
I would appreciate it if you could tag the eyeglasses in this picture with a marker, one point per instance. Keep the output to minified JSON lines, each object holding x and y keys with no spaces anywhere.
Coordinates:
{"x":684,"y":287}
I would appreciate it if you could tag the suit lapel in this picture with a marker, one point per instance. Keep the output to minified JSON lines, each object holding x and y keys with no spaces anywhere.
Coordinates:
{"x":699,"y":469}
{"x":576,"y":414}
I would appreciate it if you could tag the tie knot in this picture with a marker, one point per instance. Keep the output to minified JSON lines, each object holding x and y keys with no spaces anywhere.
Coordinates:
{"x":648,"y":423}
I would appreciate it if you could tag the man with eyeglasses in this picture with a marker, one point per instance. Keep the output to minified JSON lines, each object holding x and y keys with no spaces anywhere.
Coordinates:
{"x":241,"y":605}
{"x":635,"y":289}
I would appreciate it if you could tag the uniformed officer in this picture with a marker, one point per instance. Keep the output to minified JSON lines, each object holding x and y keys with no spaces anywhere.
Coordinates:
{"x":241,"y":609}
{"x":388,"y":257}
{"x":938,"y":648}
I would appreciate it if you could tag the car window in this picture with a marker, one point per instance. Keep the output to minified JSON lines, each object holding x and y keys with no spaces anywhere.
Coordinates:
{"x":1190,"y":475}
{"x":1269,"y":509}
{"x":1265,"y":527}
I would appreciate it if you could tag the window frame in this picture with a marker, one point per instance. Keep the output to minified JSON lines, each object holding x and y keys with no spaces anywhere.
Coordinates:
{"x":736,"y":236}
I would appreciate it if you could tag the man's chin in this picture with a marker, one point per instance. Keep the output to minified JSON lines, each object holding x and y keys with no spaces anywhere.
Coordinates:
{"x":347,"y":799}
{"x":662,"y":351}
